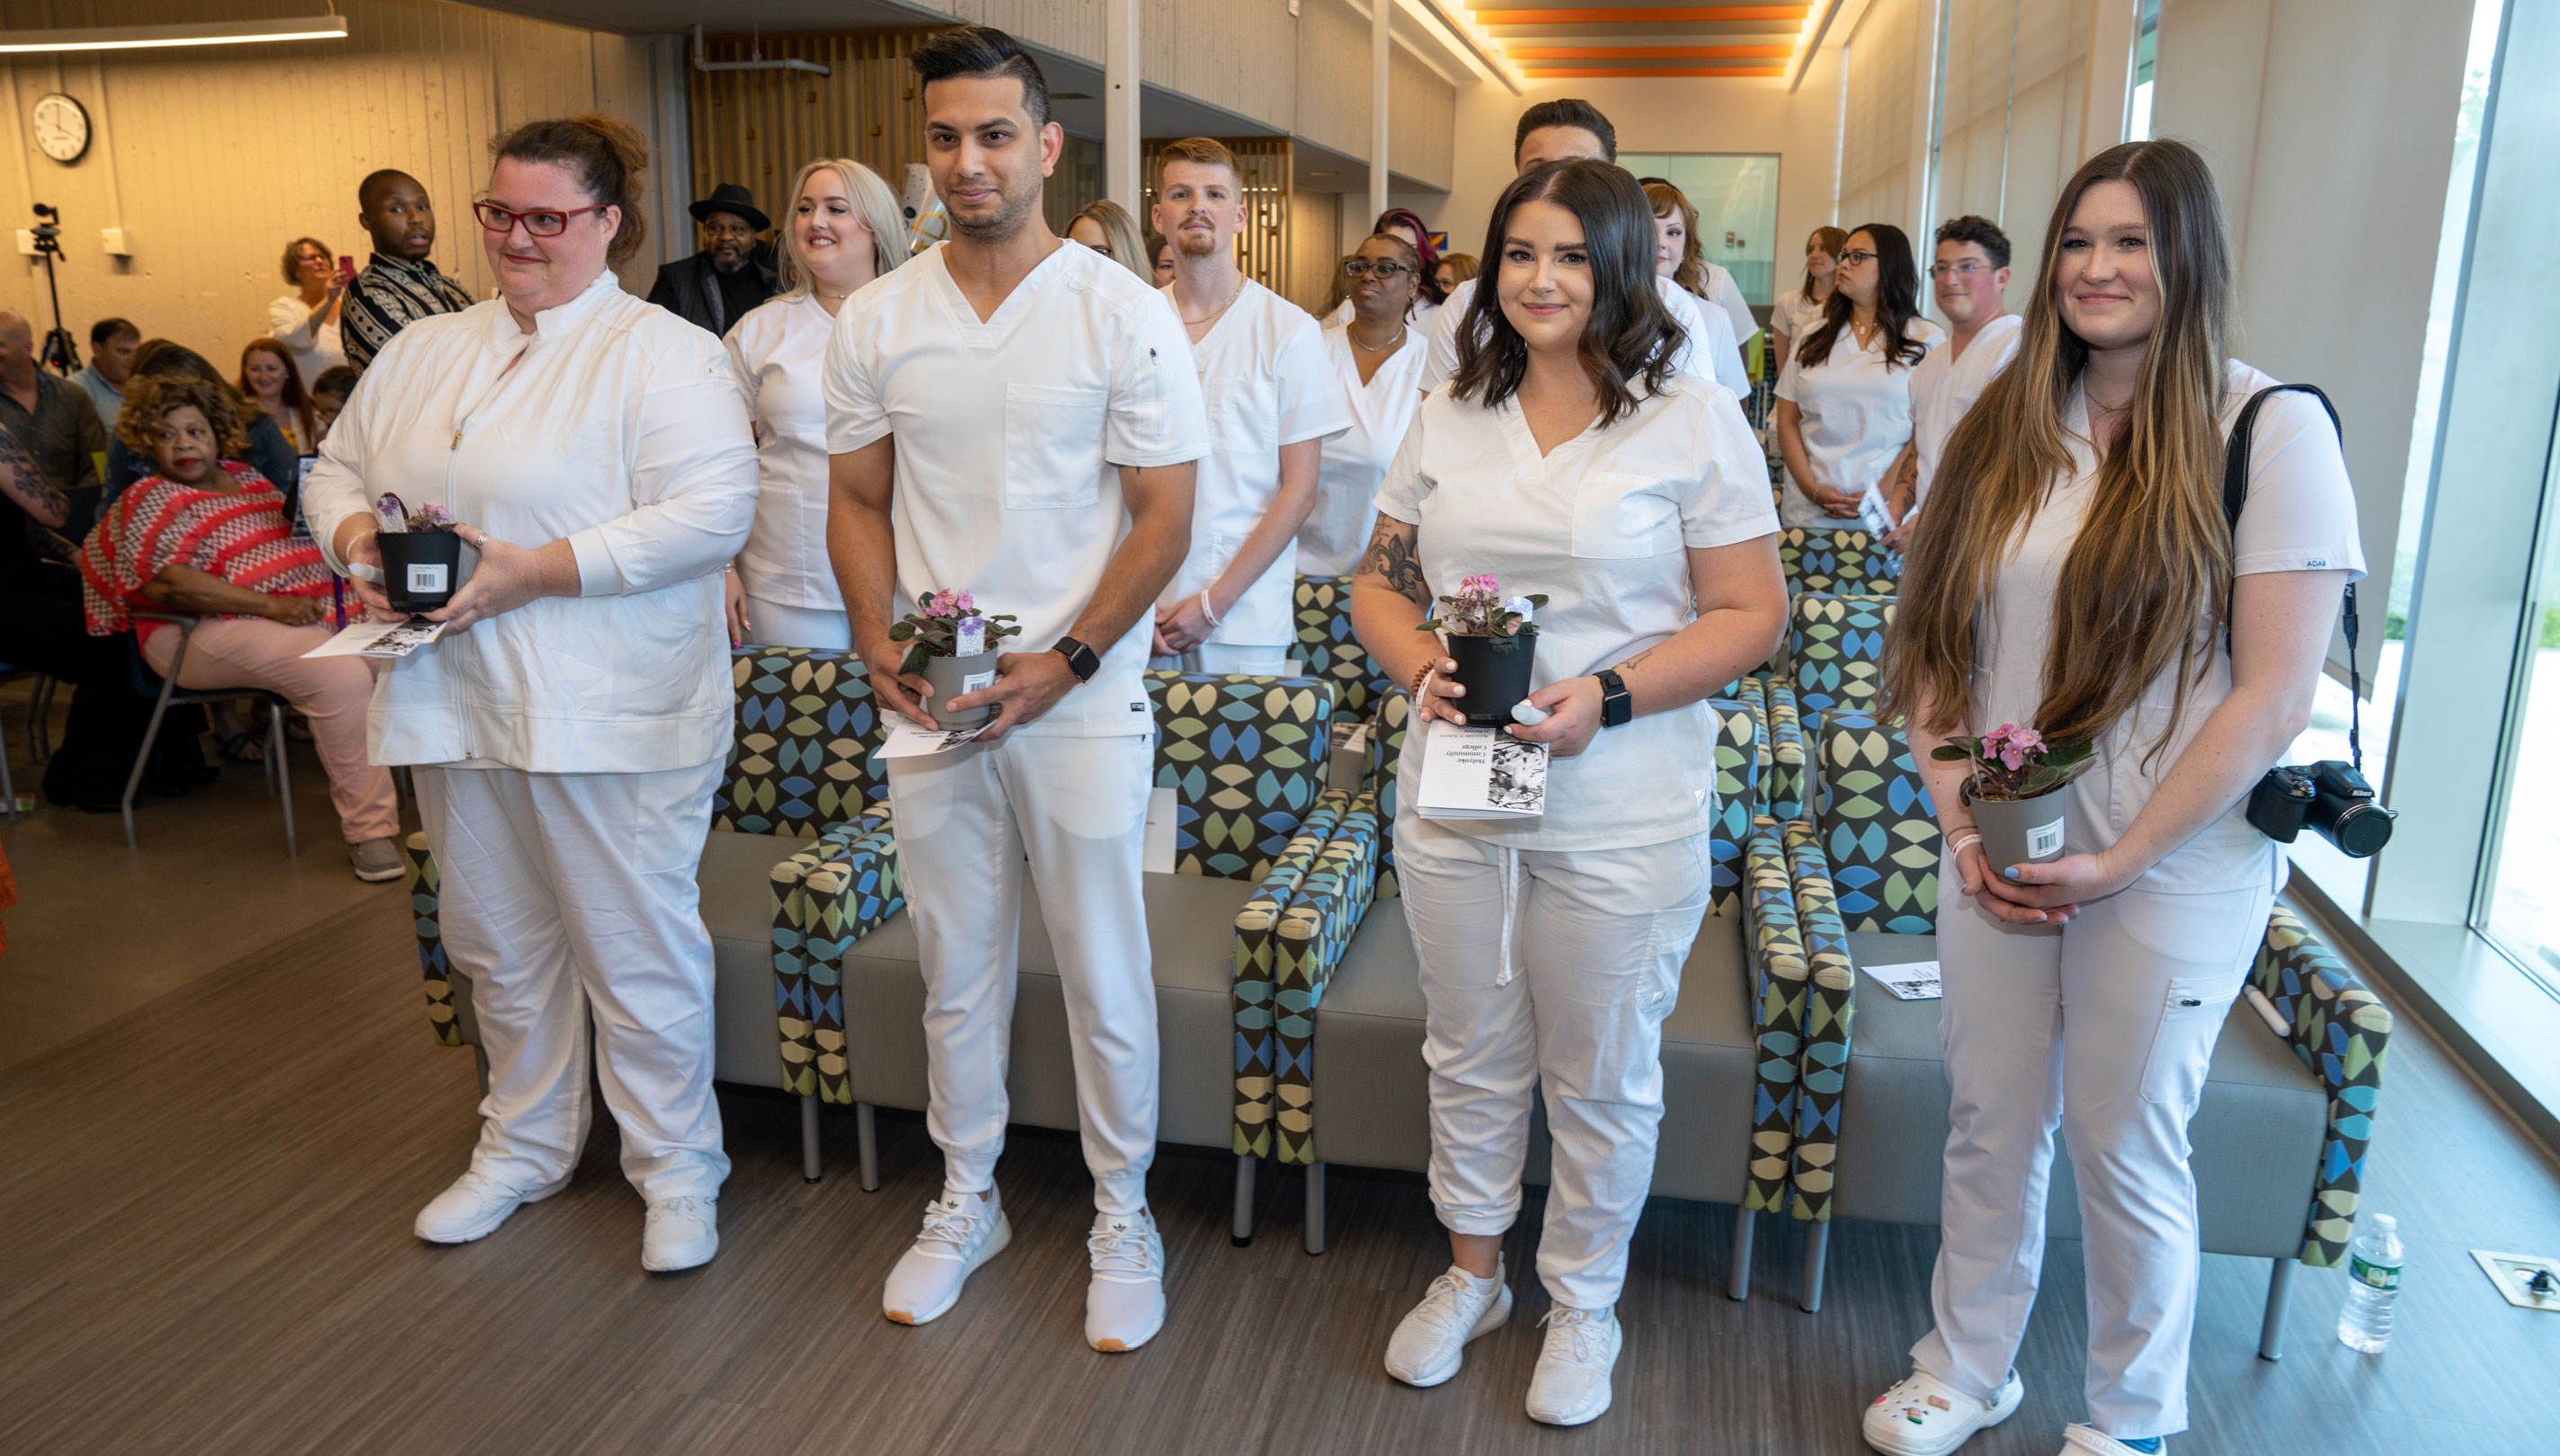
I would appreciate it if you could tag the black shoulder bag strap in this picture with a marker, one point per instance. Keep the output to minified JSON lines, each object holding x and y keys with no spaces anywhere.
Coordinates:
{"x":2235,"y":493}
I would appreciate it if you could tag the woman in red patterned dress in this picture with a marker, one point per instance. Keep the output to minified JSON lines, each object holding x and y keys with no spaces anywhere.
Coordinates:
{"x":206,"y":536}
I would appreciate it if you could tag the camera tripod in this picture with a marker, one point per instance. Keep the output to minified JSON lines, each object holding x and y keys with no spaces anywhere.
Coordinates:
{"x":60,"y":353}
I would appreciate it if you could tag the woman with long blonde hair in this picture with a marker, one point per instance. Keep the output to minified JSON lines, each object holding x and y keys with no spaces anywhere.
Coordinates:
{"x":843,"y":229}
{"x":2075,"y":574}
{"x":1798,"y":309}
{"x":1106,"y":227}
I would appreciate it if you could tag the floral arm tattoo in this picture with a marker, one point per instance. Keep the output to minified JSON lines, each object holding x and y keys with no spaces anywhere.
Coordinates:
{"x":25,"y":485}
{"x":1390,"y":557}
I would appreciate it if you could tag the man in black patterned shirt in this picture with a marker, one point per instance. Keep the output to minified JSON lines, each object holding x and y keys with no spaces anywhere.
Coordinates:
{"x":398,"y":285}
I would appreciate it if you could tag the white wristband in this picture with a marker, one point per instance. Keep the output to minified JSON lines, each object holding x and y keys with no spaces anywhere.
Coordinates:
{"x":1963,"y":842}
{"x":1207,"y":610}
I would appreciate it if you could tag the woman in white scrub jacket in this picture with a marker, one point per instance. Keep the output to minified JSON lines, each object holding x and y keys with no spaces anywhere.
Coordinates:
{"x":1374,"y":358}
{"x":1845,"y":395}
{"x":1636,"y":500}
{"x":844,"y":230}
{"x":569,"y":727}
{"x":2088,"y":992}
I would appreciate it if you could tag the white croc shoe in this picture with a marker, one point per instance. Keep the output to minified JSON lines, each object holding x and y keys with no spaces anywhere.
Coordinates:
{"x":474,"y":1206}
{"x":2083,"y":1440}
{"x":1922,"y":1415}
{"x":678,"y":1234}
{"x":961,"y":1232}
{"x":1124,"y":1306}
{"x":1456,"y":1311}
{"x":1570,"y":1386}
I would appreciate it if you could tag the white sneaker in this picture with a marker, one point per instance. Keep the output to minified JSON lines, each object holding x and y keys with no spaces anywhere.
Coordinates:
{"x":1456,"y":1311}
{"x":1124,"y":1306}
{"x":474,"y":1207}
{"x":1922,"y":1415}
{"x":2083,"y":1440}
{"x":961,"y":1232}
{"x":680,"y":1234}
{"x":1572,"y":1383}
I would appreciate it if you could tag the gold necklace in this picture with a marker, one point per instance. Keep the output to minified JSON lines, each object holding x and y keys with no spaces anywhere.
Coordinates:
{"x":1194,"y":323}
{"x":1387,"y":348}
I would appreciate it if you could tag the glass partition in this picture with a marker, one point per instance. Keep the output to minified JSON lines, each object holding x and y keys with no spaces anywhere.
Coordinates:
{"x":1736,"y":197}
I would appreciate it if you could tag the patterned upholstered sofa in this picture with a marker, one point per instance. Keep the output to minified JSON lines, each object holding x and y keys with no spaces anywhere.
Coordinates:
{"x":1840,"y":562}
{"x":1242,"y":760}
{"x":2280,"y":1136}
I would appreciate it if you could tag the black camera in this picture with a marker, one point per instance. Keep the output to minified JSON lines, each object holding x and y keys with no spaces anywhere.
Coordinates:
{"x":2330,"y":796}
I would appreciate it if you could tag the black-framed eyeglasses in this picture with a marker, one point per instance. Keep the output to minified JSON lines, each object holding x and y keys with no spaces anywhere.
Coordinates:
{"x":541,"y":223}
{"x":1966,"y":269}
{"x":1388,"y":271}
{"x":1854,"y":256}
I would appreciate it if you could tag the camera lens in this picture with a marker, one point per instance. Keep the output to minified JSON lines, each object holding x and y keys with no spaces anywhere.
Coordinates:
{"x":2360,"y":828}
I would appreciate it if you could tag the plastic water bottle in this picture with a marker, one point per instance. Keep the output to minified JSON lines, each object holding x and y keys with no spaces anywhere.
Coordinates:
{"x":2373,"y":1282}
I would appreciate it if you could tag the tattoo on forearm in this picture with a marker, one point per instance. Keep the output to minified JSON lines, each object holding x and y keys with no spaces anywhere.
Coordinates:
{"x":1633,"y":661}
{"x":1391,"y":558}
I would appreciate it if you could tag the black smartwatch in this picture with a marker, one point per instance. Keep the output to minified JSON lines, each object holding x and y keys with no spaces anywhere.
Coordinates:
{"x":1617,"y":704}
{"x":1080,"y":658}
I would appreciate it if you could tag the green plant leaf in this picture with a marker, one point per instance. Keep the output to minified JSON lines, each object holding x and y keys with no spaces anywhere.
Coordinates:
{"x":1949,"y":753}
{"x":916,"y":657}
{"x":902,"y":632}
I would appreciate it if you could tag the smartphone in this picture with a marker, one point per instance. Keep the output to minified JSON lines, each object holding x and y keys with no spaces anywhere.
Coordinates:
{"x":346,"y":267}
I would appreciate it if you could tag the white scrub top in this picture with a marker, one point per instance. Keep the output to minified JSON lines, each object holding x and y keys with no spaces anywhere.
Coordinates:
{"x":1946,"y":384}
{"x":2300,"y":516}
{"x":1009,"y":434}
{"x":314,"y":348}
{"x":616,"y":425}
{"x":1418,"y":318}
{"x":1794,"y":315}
{"x":779,"y":349}
{"x":1337,"y":530}
{"x":1602,"y":525}
{"x":1712,"y":349}
{"x":1265,"y":384}
{"x":1726,"y":294}
{"x":1856,"y":416}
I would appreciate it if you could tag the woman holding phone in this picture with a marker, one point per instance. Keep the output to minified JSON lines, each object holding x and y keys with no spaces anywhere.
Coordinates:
{"x":1568,"y":458}
{"x":306,"y":319}
{"x":569,"y":726}
{"x":2074,"y":574}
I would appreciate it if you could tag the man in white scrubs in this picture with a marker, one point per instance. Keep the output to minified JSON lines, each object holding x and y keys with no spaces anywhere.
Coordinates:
{"x":1271,"y":403}
{"x":1970,"y":277}
{"x":1562,"y":130}
{"x":1017,"y":417}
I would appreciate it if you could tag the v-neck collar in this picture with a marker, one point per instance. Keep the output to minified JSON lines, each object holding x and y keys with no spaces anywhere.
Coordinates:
{"x":986,"y":333}
{"x":1523,"y":443}
{"x":1347,"y":357}
{"x":1242,"y":291}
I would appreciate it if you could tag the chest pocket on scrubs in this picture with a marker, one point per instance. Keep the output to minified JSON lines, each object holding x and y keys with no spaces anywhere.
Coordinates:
{"x":1052,"y":446}
{"x":1619,"y":515}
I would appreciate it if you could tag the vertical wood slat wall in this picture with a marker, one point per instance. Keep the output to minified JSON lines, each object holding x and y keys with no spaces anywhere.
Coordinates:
{"x":758,"y":128}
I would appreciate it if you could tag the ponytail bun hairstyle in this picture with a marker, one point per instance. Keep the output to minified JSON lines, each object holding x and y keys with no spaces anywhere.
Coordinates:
{"x":608,"y":156}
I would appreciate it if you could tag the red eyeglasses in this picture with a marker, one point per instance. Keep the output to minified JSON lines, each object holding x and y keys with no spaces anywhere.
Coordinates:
{"x":541,"y":223}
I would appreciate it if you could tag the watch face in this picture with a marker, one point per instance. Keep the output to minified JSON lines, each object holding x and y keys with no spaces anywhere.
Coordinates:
{"x":60,"y":126}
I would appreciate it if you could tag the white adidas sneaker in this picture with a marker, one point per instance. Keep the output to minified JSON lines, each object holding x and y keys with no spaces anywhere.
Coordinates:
{"x":1124,"y":1306}
{"x":1922,"y":1415}
{"x":1456,"y":1311}
{"x":1570,"y":1386}
{"x":961,"y":1232}
{"x":678,"y":1234}
{"x":474,"y":1206}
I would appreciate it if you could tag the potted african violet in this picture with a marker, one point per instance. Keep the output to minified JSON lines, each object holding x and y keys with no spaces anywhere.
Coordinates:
{"x":421,"y":554}
{"x":2016,"y":791}
{"x":1495,"y":644}
{"x":954,"y":645}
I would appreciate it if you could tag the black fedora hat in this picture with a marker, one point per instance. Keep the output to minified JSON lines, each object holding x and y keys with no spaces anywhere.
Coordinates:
{"x":733,"y":199}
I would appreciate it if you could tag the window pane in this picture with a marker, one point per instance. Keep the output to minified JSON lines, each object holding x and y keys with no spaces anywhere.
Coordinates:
{"x":2524,"y":898}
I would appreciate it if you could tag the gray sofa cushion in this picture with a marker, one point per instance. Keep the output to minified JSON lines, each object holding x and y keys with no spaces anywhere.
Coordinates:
{"x":2257,"y":1136}
{"x":1190,"y":930}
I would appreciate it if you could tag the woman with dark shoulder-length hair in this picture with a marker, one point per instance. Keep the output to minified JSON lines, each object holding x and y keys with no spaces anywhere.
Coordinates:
{"x":1845,"y":395}
{"x":1565,"y":457}
{"x":569,"y":726}
{"x":2074,"y":575}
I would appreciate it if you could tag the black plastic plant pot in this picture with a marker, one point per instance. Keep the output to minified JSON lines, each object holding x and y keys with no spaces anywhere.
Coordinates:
{"x":1496,"y":681}
{"x":420,"y":569}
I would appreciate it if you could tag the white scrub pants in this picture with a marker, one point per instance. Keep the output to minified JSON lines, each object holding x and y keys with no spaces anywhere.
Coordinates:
{"x":1227,"y":657}
{"x":1576,"y":1000}
{"x":965,"y":821}
{"x":570,"y":895}
{"x":777,"y":625}
{"x":2105,"y":1026}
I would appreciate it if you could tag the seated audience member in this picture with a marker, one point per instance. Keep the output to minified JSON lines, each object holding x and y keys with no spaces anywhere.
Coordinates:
{"x":111,"y":342}
{"x":306,"y":321}
{"x":56,"y":424}
{"x":715,"y":288}
{"x":272,"y":386}
{"x":329,"y":395}
{"x":1456,"y":268}
{"x":268,"y":451}
{"x":399,"y":285}
{"x":1106,"y":227}
{"x":208,"y":536}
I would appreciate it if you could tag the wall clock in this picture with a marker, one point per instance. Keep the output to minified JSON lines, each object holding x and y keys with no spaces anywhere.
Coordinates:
{"x":61,"y":127}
